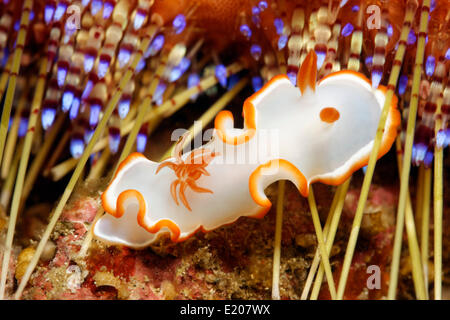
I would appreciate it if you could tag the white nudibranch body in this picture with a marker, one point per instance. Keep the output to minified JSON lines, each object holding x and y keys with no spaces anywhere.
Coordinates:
{"x":318,"y":133}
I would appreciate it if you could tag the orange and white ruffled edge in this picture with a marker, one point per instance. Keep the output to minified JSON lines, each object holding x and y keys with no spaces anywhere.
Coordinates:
{"x":223,"y":121}
{"x":256,"y":186}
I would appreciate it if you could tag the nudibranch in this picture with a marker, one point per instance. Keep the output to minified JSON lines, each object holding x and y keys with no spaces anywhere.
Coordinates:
{"x":313,"y":132}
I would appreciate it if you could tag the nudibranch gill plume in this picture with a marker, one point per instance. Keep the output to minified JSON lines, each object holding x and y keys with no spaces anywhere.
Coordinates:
{"x":312,"y":132}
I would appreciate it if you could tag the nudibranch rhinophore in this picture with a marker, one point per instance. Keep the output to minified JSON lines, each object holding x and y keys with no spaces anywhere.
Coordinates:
{"x":321,"y":132}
